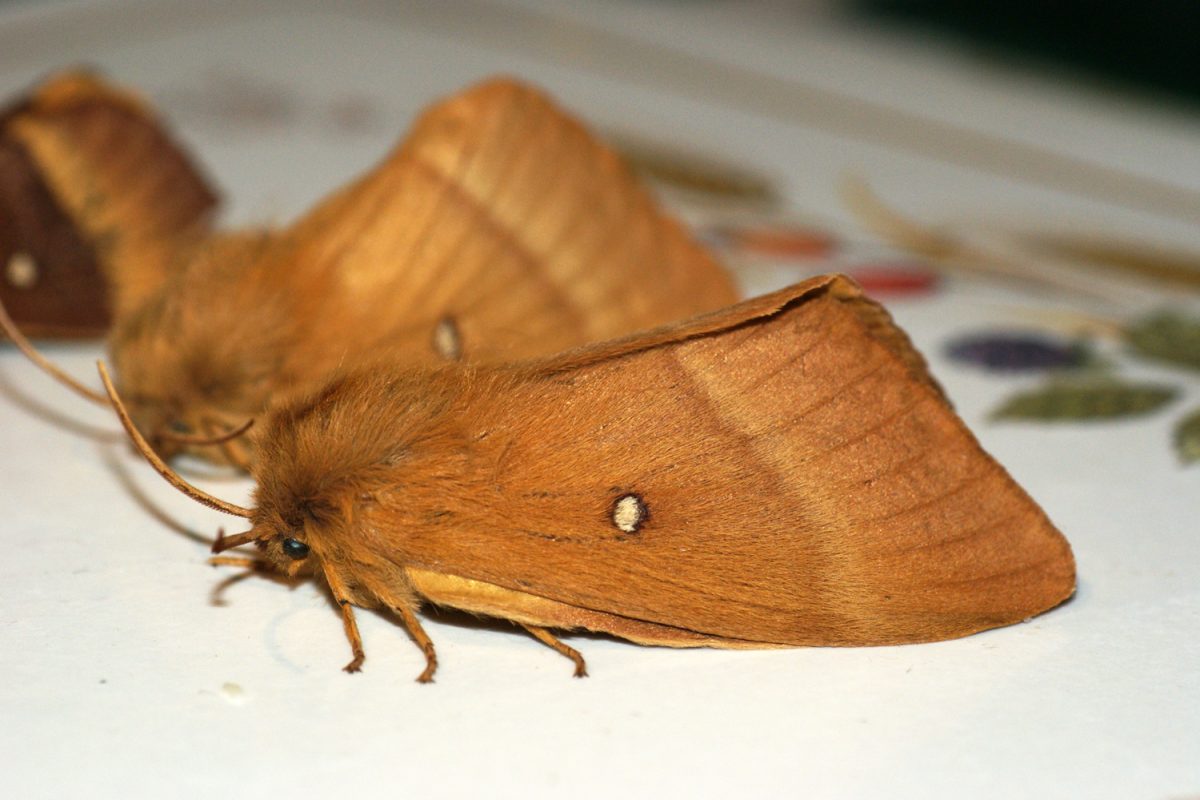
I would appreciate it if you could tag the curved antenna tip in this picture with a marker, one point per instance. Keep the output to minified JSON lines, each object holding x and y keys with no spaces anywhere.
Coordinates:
{"x":160,"y":466}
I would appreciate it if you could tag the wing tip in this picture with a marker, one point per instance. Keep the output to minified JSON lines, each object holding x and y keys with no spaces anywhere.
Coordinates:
{"x":73,"y":87}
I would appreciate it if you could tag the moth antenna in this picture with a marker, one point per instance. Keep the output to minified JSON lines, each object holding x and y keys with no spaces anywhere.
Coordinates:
{"x":160,"y":466}
{"x":206,"y":438}
{"x":47,"y":366}
{"x":224,"y":542}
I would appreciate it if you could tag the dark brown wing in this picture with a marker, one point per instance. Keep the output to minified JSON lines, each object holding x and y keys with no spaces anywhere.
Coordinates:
{"x":115,"y":197}
{"x":802,"y":482}
{"x":50,"y":279}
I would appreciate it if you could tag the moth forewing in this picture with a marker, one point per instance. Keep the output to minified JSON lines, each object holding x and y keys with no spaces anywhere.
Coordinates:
{"x":802,"y":482}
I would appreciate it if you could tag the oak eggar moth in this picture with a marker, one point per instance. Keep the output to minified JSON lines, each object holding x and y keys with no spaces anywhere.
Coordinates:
{"x":783,"y":472}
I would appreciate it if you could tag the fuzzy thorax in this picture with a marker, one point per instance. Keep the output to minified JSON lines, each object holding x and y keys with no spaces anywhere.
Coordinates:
{"x":349,"y":469}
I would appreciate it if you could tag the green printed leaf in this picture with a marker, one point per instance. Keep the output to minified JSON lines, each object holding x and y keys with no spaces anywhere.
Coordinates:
{"x":1187,"y":438}
{"x":1068,"y":402}
{"x":1167,"y":337}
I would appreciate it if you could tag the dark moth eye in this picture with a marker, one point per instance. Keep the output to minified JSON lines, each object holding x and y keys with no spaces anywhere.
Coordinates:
{"x":295,"y":548}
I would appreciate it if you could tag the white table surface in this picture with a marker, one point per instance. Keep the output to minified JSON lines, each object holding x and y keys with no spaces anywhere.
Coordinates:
{"x":122,"y":675}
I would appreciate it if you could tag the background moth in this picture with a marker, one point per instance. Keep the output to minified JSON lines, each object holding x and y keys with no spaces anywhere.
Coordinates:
{"x":69,"y":260}
{"x":498,"y":229}
{"x":783,"y":472}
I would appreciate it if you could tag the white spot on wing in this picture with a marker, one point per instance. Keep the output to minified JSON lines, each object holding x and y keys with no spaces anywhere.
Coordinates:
{"x":447,"y":341}
{"x":628,"y":513}
{"x":21,"y":271}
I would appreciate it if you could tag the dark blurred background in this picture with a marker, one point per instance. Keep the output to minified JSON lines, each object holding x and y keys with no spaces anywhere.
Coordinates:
{"x":1152,"y":44}
{"x":1147,"y":45}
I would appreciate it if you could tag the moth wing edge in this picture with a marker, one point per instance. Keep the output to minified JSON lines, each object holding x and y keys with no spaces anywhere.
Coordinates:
{"x":491,"y":600}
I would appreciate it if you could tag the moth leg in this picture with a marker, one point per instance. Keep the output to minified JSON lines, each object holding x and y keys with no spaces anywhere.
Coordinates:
{"x":422,"y":639}
{"x":348,"y":622}
{"x":236,"y":455}
{"x":253,"y":567}
{"x":232,"y":448}
{"x":545,"y":637}
{"x":356,"y":645}
{"x":238,"y":561}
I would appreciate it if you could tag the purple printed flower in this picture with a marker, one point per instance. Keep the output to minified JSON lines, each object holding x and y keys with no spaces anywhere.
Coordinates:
{"x":1017,"y":352}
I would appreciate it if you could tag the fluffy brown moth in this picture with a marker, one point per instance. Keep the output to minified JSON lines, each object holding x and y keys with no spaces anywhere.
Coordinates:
{"x":498,"y":229}
{"x":783,"y":472}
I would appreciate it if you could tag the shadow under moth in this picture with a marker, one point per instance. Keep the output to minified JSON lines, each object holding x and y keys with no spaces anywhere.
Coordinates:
{"x":499,"y":229}
{"x":783,"y":472}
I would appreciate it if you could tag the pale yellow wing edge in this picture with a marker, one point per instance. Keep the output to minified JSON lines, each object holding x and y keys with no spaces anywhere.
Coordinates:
{"x":488,"y":599}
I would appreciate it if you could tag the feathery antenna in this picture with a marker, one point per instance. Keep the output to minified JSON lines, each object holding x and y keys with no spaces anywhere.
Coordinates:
{"x":172,"y":477}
